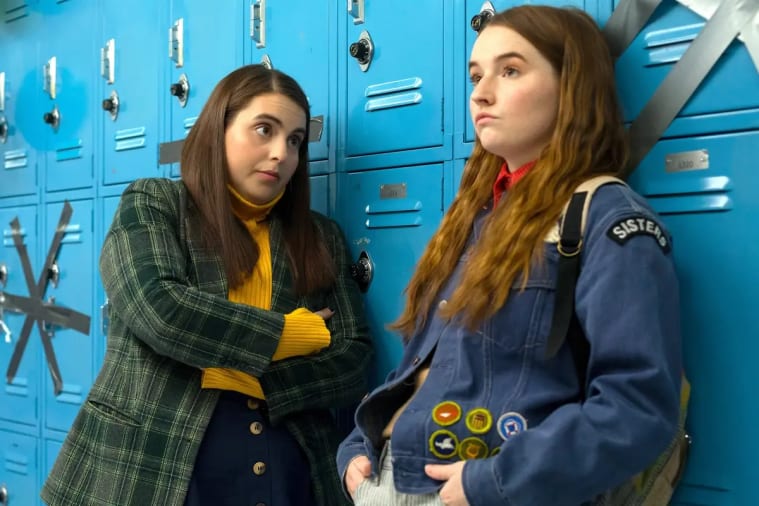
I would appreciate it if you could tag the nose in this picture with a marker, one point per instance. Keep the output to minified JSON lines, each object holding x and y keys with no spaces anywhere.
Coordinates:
{"x":279,"y":149}
{"x":482,"y":94}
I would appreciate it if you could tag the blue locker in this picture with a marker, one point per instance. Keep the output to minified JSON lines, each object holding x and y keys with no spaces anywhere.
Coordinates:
{"x":18,"y":469}
{"x":320,"y":194}
{"x":20,"y":127}
{"x":598,"y":9}
{"x":68,"y":66}
{"x":74,"y":351}
{"x":50,"y":450}
{"x":205,"y":45}
{"x":296,"y":40}
{"x":389,"y":215}
{"x":131,"y":56}
{"x":396,"y":77}
{"x":20,"y":398}
{"x":711,"y":211}
{"x":722,"y":100}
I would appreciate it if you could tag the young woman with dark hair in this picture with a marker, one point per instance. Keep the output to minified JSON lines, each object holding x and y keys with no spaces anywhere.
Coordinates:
{"x":235,"y":326}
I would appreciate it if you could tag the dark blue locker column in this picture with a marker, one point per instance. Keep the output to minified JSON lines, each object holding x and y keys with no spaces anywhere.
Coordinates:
{"x":19,"y":468}
{"x":20,"y":397}
{"x":68,"y":66}
{"x":712,"y":212}
{"x":20,"y":126}
{"x":598,"y":9}
{"x":320,"y":194}
{"x":205,"y":43}
{"x":75,"y":266}
{"x":296,"y":40}
{"x":133,"y":49}
{"x":388,"y":216}
{"x":395,"y":56}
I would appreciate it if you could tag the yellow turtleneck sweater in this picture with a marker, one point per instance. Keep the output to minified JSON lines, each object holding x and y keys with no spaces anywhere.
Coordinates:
{"x":304,"y":332}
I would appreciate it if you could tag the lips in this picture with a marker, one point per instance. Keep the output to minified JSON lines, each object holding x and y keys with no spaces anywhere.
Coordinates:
{"x":482,"y":116}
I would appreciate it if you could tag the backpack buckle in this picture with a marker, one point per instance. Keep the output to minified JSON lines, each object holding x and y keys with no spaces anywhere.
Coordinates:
{"x":569,"y":250}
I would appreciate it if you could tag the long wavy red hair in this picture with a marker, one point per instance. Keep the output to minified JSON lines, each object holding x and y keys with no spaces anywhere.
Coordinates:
{"x":588,"y":139}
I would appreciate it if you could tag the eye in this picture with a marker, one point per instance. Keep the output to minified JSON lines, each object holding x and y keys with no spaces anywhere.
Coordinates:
{"x":510,"y":72}
{"x":295,"y":141}
{"x":264,"y":130}
{"x":474,"y":79}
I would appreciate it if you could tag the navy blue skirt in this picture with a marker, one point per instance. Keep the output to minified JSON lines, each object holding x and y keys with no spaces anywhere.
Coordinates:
{"x":243,"y":460}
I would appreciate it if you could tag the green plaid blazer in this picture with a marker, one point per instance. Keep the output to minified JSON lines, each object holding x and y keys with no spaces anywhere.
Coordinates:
{"x":135,"y":439}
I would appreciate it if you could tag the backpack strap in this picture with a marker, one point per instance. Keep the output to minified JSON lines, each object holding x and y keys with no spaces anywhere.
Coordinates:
{"x":569,"y":245}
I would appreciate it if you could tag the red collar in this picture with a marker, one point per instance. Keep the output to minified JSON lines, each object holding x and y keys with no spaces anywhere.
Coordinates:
{"x":505,"y":179}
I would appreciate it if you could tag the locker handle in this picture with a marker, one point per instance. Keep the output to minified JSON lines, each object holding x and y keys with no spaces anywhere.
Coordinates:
{"x":54,"y":274}
{"x":362,"y":271}
{"x":3,"y":130}
{"x":181,"y":90}
{"x":363,"y":50}
{"x":478,"y":21}
{"x":3,"y":275}
{"x":2,"y":91}
{"x":356,"y":9}
{"x":258,"y":22}
{"x":3,"y":494}
{"x":111,"y":105}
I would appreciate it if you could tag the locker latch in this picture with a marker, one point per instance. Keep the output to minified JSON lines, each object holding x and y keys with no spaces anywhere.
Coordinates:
{"x":3,"y":494}
{"x":108,"y":61}
{"x":52,"y":118}
{"x":49,"y":71}
{"x":54,"y":274}
{"x":3,"y":130}
{"x":362,"y":271}
{"x":111,"y":105}
{"x":266,"y":62}
{"x":356,"y":9}
{"x":258,"y":22}
{"x":181,"y":90}
{"x":479,"y":21}
{"x":3,"y":275}
{"x":176,"y":42}
{"x":363,"y":51}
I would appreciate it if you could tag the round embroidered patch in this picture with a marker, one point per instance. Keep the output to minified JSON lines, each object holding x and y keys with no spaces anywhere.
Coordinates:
{"x":473,"y":448}
{"x":510,"y":424}
{"x":446,"y":413}
{"x":479,"y":421}
{"x":495,"y":451}
{"x":443,"y":444}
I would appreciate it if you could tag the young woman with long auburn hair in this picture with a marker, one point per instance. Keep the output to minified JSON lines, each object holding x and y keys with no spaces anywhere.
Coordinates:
{"x":476,"y":413}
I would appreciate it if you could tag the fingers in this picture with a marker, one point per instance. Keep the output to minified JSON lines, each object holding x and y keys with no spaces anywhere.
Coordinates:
{"x":359,"y":469}
{"x":325,"y":313}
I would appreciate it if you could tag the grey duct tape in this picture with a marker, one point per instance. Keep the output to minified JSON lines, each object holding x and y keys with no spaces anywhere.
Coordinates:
{"x":686,"y":76}
{"x":627,"y":20}
{"x":38,"y":311}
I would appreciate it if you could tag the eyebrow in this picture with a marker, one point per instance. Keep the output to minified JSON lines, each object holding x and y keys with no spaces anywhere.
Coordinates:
{"x":278,"y":121}
{"x":501,"y":57}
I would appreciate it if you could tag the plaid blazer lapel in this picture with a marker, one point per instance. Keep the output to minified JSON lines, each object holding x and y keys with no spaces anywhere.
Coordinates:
{"x":283,"y":298}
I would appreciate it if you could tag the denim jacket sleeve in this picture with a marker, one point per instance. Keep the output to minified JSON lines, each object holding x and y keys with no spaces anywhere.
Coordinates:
{"x":627,"y":304}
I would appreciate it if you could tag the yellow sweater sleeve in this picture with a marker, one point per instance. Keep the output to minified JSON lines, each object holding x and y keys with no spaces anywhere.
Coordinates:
{"x":304,"y":333}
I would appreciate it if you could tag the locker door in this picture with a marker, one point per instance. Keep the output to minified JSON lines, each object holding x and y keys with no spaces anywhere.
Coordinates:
{"x":598,"y":9}
{"x":51,"y":450}
{"x":18,"y":469}
{"x":69,"y":66}
{"x":73,"y":350}
{"x":207,"y":44}
{"x":20,"y":126}
{"x":296,"y":41}
{"x":404,"y":81}
{"x":320,"y":194}
{"x":20,"y":398}
{"x":711,"y":212}
{"x":132,"y":54}
{"x":389,"y":215}
{"x":730,"y":88}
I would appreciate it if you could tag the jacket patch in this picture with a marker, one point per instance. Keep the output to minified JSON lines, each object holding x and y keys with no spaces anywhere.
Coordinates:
{"x":623,"y":230}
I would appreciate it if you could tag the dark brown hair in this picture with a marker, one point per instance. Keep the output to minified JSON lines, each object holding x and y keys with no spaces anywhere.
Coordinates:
{"x":205,"y":172}
{"x":588,"y":139}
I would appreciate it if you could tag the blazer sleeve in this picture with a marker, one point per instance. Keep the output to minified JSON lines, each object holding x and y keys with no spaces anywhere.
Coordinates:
{"x":336,"y":376}
{"x":143,"y":266}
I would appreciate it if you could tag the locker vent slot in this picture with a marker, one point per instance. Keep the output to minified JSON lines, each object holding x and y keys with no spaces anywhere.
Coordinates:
{"x":668,"y":46}
{"x":69,"y":152}
{"x":130,"y":138}
{"x":15,"y":159}
{"x":396,"y":94}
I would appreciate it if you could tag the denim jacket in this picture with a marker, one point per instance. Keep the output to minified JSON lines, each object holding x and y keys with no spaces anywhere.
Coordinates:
{"x":494,"y":399}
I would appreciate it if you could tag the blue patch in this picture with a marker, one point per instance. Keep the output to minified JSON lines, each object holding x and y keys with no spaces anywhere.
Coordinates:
{"x":510,"y":424}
